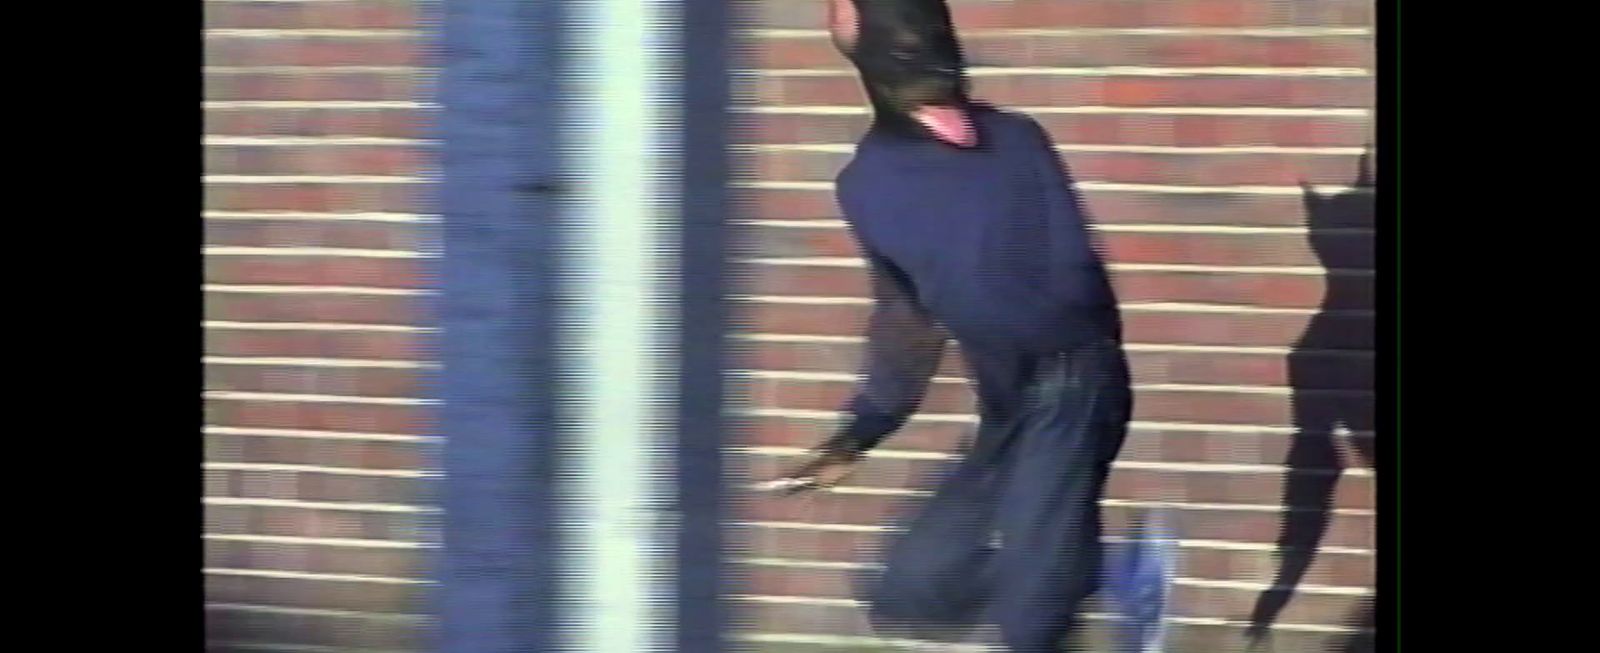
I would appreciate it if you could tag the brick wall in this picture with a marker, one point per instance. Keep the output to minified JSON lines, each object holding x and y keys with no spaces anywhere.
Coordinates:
{"x":1191,"y":125}
{"x":315,"y":428}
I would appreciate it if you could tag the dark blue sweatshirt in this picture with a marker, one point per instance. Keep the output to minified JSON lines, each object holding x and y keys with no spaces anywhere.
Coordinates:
{"x":986,"y":244}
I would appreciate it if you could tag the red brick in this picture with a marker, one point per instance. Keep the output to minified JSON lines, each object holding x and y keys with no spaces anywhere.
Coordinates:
{"x":793,"y":618}
{"x":374,"y":454}
{"x":1122,"y":247}
{"x":786,"y":204}
{"x":1327,"y":568}
{"x":323,"y":594}
{"x":416,"y":420}
{"x":1023,"y":90}
{"x":1188,"y":446}
{"x":1119,"y":167}
{"x":820,"y":357}
{"x":1233,"y":604}
{"x":1236,"y":605}
{"x":806,"y":129}
{"x":781,"y":581}
{"x":1151,"y":405}
{"x":242,"y":632}
{"x":1220,"y":209}
{"x":1016,"y":14}
{"x":389,"y":123}
{"x":1105,"y":206}
{"x":1329,"y":370}
{"x":344,"y":197}
{"x":314,"y":344}
{"x":315,"y":233}
{"x":1259,"y":527}
{"x":1212,"y":170}
{"x":1346,"y":331}
{"x":311,"y":522}
{"x":797,"y":543}
{"x":1142,"y":445}
{"x":1274,"y":290}
{"x":404,"y":563}
{"x":300,"y":379}
{"x":312,"y":51}
{"x":313,"y":160}
{"x":319,"y":486}
{"x":1253,"y":489}
{"x":1200,"y":485}
{"x":316,"y":486}
{"x":313,"y":270}
{"x":922,"y":436}
{"x":359,"y":309}
{"x":786,"y":242}
{"x":1224,"y":525}
{"x":1277,"y":290}
{"x":349,"y":14}
{"x":1220,"y":250}
{"x":1132,"y":13}
{"x":312,"y":84}
{"x":1086,"y":50}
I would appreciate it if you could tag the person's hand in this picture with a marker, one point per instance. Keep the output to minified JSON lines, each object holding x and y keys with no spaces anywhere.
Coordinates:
{"x":825,"y":469}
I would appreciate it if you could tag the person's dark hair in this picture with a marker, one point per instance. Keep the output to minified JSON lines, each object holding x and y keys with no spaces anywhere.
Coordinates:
{"x":907,"y":53}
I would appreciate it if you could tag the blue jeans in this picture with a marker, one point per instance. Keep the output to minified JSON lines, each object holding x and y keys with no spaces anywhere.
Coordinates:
{"x":1012,"y":535}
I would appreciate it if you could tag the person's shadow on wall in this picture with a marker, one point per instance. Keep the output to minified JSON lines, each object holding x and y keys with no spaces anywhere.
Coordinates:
{"x":1321,"y":362}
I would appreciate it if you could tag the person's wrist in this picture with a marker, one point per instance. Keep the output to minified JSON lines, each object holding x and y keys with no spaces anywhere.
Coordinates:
{"x":842,"y":447}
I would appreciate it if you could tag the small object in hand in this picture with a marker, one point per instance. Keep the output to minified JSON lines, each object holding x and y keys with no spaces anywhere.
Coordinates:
{"x":789,"y":485}
{"x":827,"y":466}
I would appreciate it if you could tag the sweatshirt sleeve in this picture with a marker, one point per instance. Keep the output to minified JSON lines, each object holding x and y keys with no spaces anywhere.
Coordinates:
{"x":903,"y":349}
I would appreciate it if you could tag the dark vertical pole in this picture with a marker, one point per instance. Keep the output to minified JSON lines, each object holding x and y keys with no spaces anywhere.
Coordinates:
{"x":707,"y":34}
{"x":498,"y":141}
